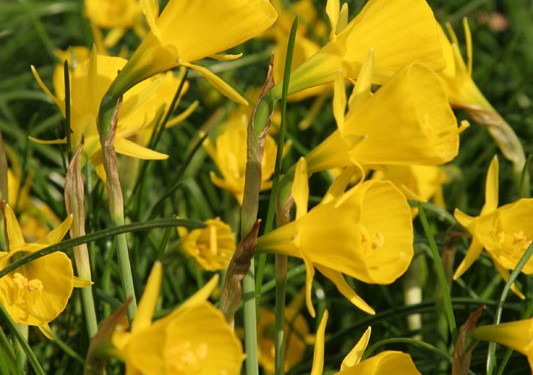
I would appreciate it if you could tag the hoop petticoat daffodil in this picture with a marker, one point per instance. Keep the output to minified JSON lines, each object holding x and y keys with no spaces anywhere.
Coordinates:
{"x":407,"y":121}
{"x":89,"y":81}
{"x":193,"y":339}
{"x":365,"y":232}
{"x":189,"y":31}
{"x":517,"y":335}
{"x":37,"y":292}
{"x":384,"y":363}
{"x":398,"y":38}
{"x":504,"y":232}
{"x":212,"y":247}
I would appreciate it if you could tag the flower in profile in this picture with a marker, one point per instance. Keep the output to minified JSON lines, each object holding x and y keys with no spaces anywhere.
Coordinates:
{"x":37,"y":292}
{"x":412,"y":103}
{"x":464,"y":94}
{"x":384,"y":363}
{"x":192,"y":339}
{"x":504,"y":232}
{"x":211,"y":247}
{"x":367,"y":232}
{"x":229,"y":154}
{"x":118,"y":15}
{"x":400,"y":39}
{"x":517,"y":335}
{"x":296,"y":336}
{"x":187,"y":31}
{"x":89,"y":81}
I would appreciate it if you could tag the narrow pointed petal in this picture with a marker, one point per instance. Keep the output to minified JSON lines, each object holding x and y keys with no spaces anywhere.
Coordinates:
{"x":339,"y":100}
{"x":472,"y":254}
{"x":148,"y":302}
{"x":491,"y":188}
{"x":57,"y":234}
{"x":126,"y":147}
{"x":355,"y":355}
{"x":14,"y":232}
{"x":300,"y":188}
{"x":318,"y":355}
{"x":219,"y":84}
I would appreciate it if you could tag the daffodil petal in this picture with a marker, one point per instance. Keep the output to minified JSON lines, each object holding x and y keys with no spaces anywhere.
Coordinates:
{"x":126,"y":147}
{"x":300,"y":188}
{"x":14,"y":232}
{"x":471,"y":255}
{"x":318,"y":355}
{"x":203,"y":294}
{"x":338,"y":279}
{"x":355,"y":355}
{"x":491,"y":188}
{"x":57,"y":234}
{"x":217,"y":82}
{"x":148,"y":302}
{"x":81,"y":283}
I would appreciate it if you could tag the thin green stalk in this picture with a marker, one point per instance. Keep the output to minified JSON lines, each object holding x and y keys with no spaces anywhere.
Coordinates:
{"x":491,"y":357}
{"x":282,"y":260}
{"x":30,"y":355}
{"x":8,"y":359}
{"x":441,"y":275}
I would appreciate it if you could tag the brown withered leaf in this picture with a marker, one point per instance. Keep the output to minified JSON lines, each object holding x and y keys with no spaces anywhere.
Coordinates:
{"x":462,"y":352}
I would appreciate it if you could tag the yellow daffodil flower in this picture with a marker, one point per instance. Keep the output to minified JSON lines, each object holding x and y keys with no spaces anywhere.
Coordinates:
{"x":193,"y":339}
{"x":504,"y":232}
{"x":384,"y":363}
{"x":407,"y":121}
{"x":89,"y":81}
{"x":296,"y":336}
{"x":189,"y":31}
{"x":37,"y":292}
{"x":365,"y":232}
{"x":517,"y":335}
{"x":212,"y":247}
{"x":229,"y":154}
{"x":465,"y":94}
{"x":118,"y":15}
{"x":400,"y":39}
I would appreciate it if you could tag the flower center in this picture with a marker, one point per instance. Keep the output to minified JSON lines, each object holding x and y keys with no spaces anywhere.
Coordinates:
{"x":518,"y":242}
{"x":185,"y":358}
{"x":373,"y":242}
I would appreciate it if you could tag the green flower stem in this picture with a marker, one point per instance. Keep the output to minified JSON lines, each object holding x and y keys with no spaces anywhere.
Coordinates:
{"x":491,"y":357}
{"x":30,"y":355}
{"x":107,"y":126}
{"x":281,"y":283}
{"x":256,"y":133}
{"x":441,"y":275}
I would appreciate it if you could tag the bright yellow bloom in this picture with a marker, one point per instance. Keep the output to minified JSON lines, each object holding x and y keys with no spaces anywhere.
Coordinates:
{"x":189,"y":31}
{"x":37,"y":292}
{"x":407,"y":121}
{"x":365,"y":233}
{"x":464,"y":94}
{"x":193,"y":339}
{"x":296,"y":334}
{"x":505,"y":232}
{"x":517,"y":335}
{"x":384,"y":363}
{"x":401,"y":38}
{"x":89,"y":81}
{"x":212,"y":247}
{"x":229,"y":154}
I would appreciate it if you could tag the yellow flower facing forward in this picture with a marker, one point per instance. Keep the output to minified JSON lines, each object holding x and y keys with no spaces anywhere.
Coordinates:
{"x":504,"y":232}
{"x":193,"y":339}
{"x":517,"y":335}
{"x":188,"y":31}
{"x":89,"y":81}
{"x":465,"y":94}
{"x":401,"y":38}
{"x":407,"y":121}
{"x":365,"y":232}
{"x":296,"y":336}
{"x":384,"y":363}
{"x":212,"y":247}
{"x":37,"y":292}
{"x":229,"y":154}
